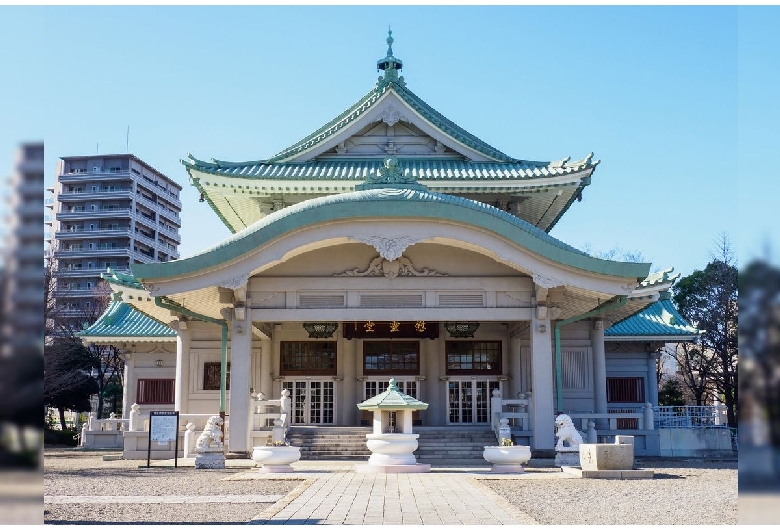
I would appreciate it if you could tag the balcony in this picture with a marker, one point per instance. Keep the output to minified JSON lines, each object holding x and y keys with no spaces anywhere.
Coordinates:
{"x":72,"y":293}
{"x":64,"y":272}
{"x":83,"y":233}
{"x":91,"y":253}
{"x":93,"y":214}
{"x":103,"y":193}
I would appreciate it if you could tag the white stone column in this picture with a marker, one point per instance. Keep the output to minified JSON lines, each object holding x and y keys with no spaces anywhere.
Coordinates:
{"x":515,"y":368}
{"x":128,"y":390}
{"x":599,"y":372}
{"x":543,"y":387}
{"x":266,"y":350}
{"x":652,"y":380}
{"x":347,"y":387}
{"x":240,"y":381}
{"x":182,"y":388}
{"x":436,"y":392}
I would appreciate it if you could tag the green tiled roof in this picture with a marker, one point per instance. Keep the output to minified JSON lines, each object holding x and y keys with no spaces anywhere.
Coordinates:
{"x":421,"y":169}
{"x":392,"y":399}
{"x":392,"y":203}
{"x":122,"y":320}
{"x":659,"y":319}
{"x":398,"y":86}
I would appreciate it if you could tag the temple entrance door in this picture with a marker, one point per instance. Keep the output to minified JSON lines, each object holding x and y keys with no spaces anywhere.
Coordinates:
{"x":312,"y":401}
{"x":468,"y":400}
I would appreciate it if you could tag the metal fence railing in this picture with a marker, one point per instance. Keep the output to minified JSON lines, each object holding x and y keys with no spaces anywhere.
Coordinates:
{"x":705,"y":416}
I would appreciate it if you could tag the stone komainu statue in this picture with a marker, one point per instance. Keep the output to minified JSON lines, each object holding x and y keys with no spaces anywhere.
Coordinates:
{"x":211,"y":435}
{"x":565,"y":431}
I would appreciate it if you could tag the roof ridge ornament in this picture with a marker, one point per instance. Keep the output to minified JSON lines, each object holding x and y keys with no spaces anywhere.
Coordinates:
{"x":390,"y":65}
{"x":391,"y":175}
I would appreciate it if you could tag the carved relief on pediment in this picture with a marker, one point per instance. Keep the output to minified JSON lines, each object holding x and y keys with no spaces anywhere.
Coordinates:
{"x":379,"y":266}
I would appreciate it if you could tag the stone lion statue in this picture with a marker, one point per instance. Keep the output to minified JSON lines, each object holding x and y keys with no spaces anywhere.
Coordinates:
{"x":211,"y":435}
{"x":566,"y":432}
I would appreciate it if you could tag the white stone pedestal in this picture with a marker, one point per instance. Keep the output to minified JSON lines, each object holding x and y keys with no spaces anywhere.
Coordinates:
{"x":209,"y":458}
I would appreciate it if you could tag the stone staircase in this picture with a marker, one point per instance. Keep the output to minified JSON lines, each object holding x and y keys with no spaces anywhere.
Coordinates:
{"x":453,"y":444}
{"x":436,"y":444}
{"x":330,"y":443}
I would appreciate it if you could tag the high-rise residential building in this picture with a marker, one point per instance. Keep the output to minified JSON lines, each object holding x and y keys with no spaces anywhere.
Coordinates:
{"x":109,"y":211}
{"x":22,"y":300}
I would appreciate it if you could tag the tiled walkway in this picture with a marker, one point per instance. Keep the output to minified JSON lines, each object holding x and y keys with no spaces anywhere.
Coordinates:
{"x":334,"y":494}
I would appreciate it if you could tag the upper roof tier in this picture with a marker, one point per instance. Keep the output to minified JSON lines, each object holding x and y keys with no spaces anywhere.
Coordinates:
{"x":390,"y":120}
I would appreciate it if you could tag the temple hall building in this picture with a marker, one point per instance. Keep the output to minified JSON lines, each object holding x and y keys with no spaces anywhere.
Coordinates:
{"x":390,"y":242}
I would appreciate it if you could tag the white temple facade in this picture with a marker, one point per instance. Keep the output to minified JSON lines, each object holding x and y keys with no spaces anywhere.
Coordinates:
{"x":392,"y":243}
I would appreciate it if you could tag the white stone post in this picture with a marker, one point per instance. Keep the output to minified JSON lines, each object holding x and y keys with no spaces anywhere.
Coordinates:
{"x":189,"y":440}
{"x":83,"y":435}
{"x":135,"y":417}
{"x":599,"y":371}
{"x":542,"y":384}
{"x":91,"y":422}
{"x":649,"y":423}
{"x":286,"y":407}
{"x":277,"y":433}
{"x":182,"y":386}
{"x":240,"y":381}
{"x":111,"y":426}
{"x":504,"y":430}
{"x":592,"y":435}
{"x":496,"y":407}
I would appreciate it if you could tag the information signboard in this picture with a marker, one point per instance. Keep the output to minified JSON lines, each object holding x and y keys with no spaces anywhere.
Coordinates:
{"x":164,"y":428}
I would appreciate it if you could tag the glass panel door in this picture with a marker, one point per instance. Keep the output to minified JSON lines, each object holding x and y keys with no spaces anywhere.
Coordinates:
{"x":468,"y":401}
{"x":312,"y":401}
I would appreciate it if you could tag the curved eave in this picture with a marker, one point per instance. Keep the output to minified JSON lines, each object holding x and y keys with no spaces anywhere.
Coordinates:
{"x":235,"y":190}
{"x":108,"y":339}
{"x":392,"y":406}
{"x":653,"y":338}
{"x":389,"y":204}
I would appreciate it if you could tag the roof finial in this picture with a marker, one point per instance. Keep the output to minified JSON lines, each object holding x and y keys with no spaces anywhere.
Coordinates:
{"x":389,"y":41}
{"x":390,"y":64}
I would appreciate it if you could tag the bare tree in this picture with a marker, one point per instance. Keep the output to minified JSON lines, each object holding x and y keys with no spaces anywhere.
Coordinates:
{"x":708,"y":299}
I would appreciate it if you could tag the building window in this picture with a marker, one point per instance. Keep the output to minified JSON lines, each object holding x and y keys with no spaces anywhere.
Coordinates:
{"x":312,"y":358}
{"x":155,"y":391}
{"x":574,"y":370}
{"x":473,"y":357}
{"x":391,"y":357}
{"x":625,"y":390}
{"x":211,"y":376}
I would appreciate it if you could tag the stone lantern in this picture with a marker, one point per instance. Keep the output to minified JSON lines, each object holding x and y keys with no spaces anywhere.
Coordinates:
{"x":392,"y":442}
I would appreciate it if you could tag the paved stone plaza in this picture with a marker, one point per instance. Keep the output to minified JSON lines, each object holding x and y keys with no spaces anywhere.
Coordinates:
{"x":81,"y":487}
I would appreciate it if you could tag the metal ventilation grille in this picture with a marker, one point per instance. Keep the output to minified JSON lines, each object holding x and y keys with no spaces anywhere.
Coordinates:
{"x":314,"y":301}
{"x":391,"y":300}
{"x":461,"y":300}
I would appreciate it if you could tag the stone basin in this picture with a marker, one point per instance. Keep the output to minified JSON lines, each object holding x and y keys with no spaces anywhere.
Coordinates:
{"x":276,"y":458}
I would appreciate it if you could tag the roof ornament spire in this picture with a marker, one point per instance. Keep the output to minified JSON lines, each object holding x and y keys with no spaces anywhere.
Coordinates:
{"x":390,"y":65}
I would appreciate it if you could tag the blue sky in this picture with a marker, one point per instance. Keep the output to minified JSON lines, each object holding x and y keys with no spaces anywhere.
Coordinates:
{"x":675,"y":101}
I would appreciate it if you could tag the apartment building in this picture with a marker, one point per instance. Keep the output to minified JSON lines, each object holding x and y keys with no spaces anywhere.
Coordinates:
{"x":109,"y":211}
{"x":22,"y":299}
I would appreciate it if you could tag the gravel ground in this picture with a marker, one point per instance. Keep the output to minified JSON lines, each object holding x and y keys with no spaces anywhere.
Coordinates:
{"x":694,"y":492}
{"x":689,"y":492}
{"x":67,"y":472}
